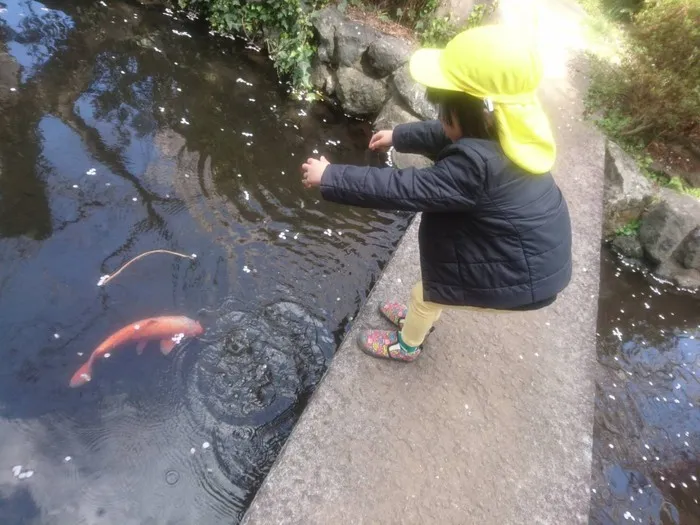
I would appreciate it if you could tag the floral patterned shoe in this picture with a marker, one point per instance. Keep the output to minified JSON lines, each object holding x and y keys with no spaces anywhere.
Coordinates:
{"x":385,"y":344}
{"x":394,"y":312}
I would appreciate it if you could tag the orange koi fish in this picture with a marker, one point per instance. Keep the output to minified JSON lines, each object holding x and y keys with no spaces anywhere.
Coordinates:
{"x":168,"y":330}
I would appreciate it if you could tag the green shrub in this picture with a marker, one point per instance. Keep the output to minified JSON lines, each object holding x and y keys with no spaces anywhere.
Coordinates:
{"x":285,"y":24}
{"x":654,"y":92}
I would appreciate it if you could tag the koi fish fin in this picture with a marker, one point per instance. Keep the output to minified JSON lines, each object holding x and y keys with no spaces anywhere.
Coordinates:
{"x":82,"y":375}
{"x":140,"y":346}
{"x":167,"y":345}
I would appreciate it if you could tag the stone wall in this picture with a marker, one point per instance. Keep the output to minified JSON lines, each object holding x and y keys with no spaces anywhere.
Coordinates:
{"x":367,"y":71}
{"x":666,"y":232}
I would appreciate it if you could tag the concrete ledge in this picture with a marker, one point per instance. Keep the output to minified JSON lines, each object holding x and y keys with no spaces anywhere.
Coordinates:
{"x":492,"y":425}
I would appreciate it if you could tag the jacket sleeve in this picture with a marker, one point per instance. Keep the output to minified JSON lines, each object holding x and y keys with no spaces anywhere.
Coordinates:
{"x":424,"y":138}
{"x":452,"y":184}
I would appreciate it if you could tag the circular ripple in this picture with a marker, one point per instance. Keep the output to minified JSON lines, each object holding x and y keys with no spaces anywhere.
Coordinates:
{"x":257,"y":365}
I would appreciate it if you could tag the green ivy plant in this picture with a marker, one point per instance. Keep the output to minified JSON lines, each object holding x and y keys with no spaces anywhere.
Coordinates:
{"x":438,"y":31}
{"x":283,"y":24}
{"x":630,"y":229}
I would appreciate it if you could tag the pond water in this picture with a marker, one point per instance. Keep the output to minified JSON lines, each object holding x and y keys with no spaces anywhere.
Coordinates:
{"x":124,"y":130}
{"x":647,"y":418}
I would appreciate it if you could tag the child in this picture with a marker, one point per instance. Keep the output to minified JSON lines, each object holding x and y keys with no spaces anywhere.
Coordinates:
{"x":495,"y":231}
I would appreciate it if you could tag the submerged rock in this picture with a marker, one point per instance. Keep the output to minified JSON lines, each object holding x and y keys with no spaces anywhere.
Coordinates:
{"x":359,"y":94}
{"x":667,"y":224}
{"x":671,"y":270}
{"x":413,"y":94}
{"x":628,"y":246}
{"x":627,"y":191}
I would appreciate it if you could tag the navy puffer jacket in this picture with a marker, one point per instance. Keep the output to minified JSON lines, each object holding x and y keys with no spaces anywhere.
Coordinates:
{"x":491,"y":235}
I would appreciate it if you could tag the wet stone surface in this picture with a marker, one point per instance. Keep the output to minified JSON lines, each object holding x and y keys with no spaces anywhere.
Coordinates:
{"x":647,"y":418}
{"x":124,"y":130}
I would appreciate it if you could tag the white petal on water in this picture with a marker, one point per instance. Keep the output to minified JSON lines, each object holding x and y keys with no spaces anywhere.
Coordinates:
{"x":56,"y":336}
{"x":693,"y":478}
{"x":13,"y":89}
{"x":67,"y":459}
{"x":205,"y":445}
{"x":108,"y":355}
{"x":91,"y":171}
{"x":684,"y":484}
{"x":103,"y":280}
{"x":193,"y":450}
{"x":611,"y":397}
{"x":644,"y":458}
{"x":16,"y":470}
{"x":194,"y":255}
{"x":611,"y":445}
{"x":647,"y":447}
{"x":673,"y":485}
{"x":246,"y":269}
{"x":80,"y":354}
{"x":75,"y":186}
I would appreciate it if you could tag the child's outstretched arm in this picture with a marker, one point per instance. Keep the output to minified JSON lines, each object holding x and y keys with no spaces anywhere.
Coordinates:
{"x":424,"y":138}
{"x":454,"y":183}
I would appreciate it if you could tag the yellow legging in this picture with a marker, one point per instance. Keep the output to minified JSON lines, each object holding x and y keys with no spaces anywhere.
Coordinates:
{"x":422,"y":315}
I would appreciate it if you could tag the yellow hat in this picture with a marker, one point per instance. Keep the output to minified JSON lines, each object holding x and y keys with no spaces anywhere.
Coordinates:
{"x":500,"y":64}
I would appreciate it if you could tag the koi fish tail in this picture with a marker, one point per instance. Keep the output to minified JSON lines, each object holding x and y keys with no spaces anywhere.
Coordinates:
{"x":82,"y":375}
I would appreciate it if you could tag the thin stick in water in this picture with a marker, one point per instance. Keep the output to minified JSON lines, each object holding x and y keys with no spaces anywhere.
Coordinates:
{"x":106,"y":278}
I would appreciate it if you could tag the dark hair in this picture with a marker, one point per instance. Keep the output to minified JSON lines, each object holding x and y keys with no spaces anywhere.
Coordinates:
{"x":468,"y":110}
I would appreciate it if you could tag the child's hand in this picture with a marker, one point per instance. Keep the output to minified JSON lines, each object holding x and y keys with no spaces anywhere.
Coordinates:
{"x":312,"y":171}
{"x":381,"y":140}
